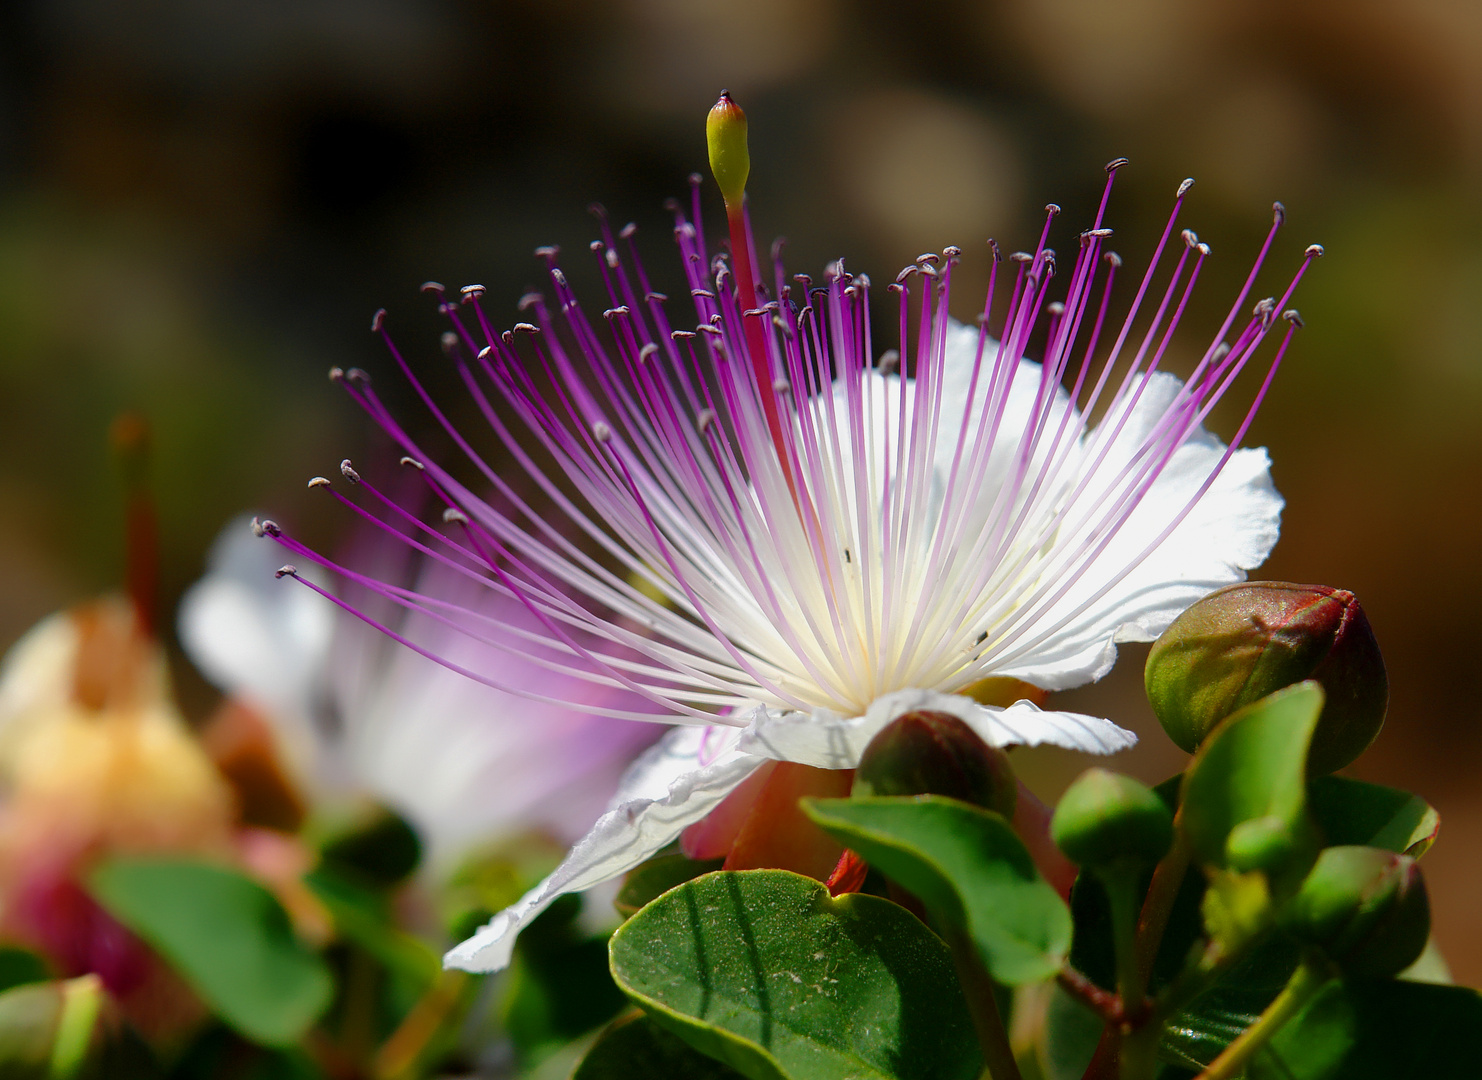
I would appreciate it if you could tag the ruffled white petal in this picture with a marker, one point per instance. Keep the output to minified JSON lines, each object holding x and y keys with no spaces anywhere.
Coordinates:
{"x":1229,"y":531}
{"x":827,"y":740}
{"x":675,"y":784}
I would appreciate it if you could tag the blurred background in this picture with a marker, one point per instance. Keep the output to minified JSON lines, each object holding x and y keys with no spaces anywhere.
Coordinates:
{"x":202,"y":202}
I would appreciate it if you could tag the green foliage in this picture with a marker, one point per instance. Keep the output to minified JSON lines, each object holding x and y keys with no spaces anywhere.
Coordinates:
{"x":20,"y":966}
{"x":226,"y":935}
{"x":1354,"y":812}
{"x":766,"y":972}
{"x":1378,"y":1030}
{"x":1253,"y":769}
{"x":650,"y":880}
{"x":635,"y":1046}
{"x":560,"y":986}
{"x":969,"y":867}
{"x":379,"y":852}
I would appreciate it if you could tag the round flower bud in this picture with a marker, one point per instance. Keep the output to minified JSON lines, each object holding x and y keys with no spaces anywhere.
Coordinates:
{"x":1365,"y":908}
{"x":1248,"y":640}
{"x":1106,"y":820}
{"x":925,"y":752}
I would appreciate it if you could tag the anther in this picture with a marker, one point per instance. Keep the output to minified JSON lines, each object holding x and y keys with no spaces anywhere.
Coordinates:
{"x":997,"y":254}
{"x":526,"y":328}
{"x":614,"y":312}
{"x":676,"y":335}
{"x":1221,"y":351}
{"x":1055,"y":307}
{"x":453,"y":516}
{"x":485,"y":352}
{"x":547,"y":251}
{"x":1052,"y":209}
{"x":1292,"y":316}
{"x":433,"y":287}
{"x":449,"y":342}
{"x":286,"y":571}
{"x":1021,"y":256}
{"x":704,"y":419}
{"x":952,"y":251}
{"x":627,"y":231}
{"x":595,"y":246}
{"x":781,"y":386}
{"x":601,"y":432}
{"x":1278,"y":213}
{"x":929,"y":257}
{"x":336,"y":374}
{"x":358,"y":377}
{"x":349,"y":471}
{"x":1183,"y":189}
{"x":318,"y":482}
{"x":1100,"y":232}
{"x":1315,"y":251}
{"x":1113,"y":258}
{"x":648,"y":351}
{"x":907,"y":272}
{"x":507,"y":337}
{"x":268,"y":526}
{"x":612,"y":259}
{"x":655,"y":296}
{"x":412,"y":463}
{"x":529,"y":300}
{"x":1203,"y":248}
{"x":257,"y":529}
{"x":889,"y":362}
{"x":1115,"y":163}
{"x":706,"y":328}
{"x":377,"y":320}
{"x":1191,"y":238}
{"x":705,"y":293}
{"x":558,"y":277}
{"x":472,"y":292}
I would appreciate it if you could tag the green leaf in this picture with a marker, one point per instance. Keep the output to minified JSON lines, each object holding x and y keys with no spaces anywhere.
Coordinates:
{"x":635,"y":1046}
{"x":650,"y":880}
{"x":227,"y":935}
{"x":20,"y":966}
{"x":1371,"y":815}
{"x":363,"y":916}
{"x":766,"y":972}
{"x":1380,"y":1030}
{"x":968,"y":866}
{"x":1250,"y":769}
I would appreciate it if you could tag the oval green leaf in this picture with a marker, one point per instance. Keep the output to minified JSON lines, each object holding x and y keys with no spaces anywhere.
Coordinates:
{"x":1253,"y":765}
{"x":226,"y":935}
{"x":649,"y":880}
{"x":1371,"y":815}
{"x":636,"y":1046}
{"x":763,"y":970}
{"x":968,"y":867}
{"x":1379,"y":1030}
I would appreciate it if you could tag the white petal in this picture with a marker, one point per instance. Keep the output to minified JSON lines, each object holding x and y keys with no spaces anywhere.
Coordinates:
{"x":827,"y":740}
{"x":644,"y":818}
{"x":1230,"y":531}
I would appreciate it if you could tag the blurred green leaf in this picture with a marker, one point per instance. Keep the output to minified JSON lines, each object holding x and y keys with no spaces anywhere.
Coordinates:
{"x":363,"y":916}
{"x":766,"y":972}
{"x":28,"y":1025}
{"x":1251,"y":768}
{"x":635,"y":1046}
{"x":20,"y":966}
{"x":967,"y":865}
{"x":650,"y":880}
{"x":227,"y":935}
{"x":559,"y":985}
{"x":1378,"y":1030}
{"x":380,"y":852}
{"x":1371,"y":815}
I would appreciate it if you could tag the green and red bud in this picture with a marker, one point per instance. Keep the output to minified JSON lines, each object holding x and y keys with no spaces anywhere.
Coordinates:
{"x":925,"y":752}
{"x":1365,"y":908}
{"x":1245,"y":641}
{"x":1106,"y":821}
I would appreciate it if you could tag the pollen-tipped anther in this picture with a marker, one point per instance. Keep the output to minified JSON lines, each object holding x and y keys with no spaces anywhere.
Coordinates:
{"x":1191,"y":238}
{"x":1293,"y":316}
{"x":349,"y":471}
{"x":1053,"y":209}
{"x":547,"y":252}
{"x":1315,"y":251}
{"x":1278,"y":213}
{"x":526,"y":328}
{"x":1115,"y":163}
{"x":358,"y":377}
{"x":472,"y":292}
{"x":319,"y":482}
{"x":453,"y":516}
{"x":433,"y":287}
{"x":286,"y":571}
{"x":257,"y":529}
{"x":336,"y":374}
{"x":1183,"y":189}
{"x":601,"y":432}
{"x":412,"y":463}
{"x":378,"y":320}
